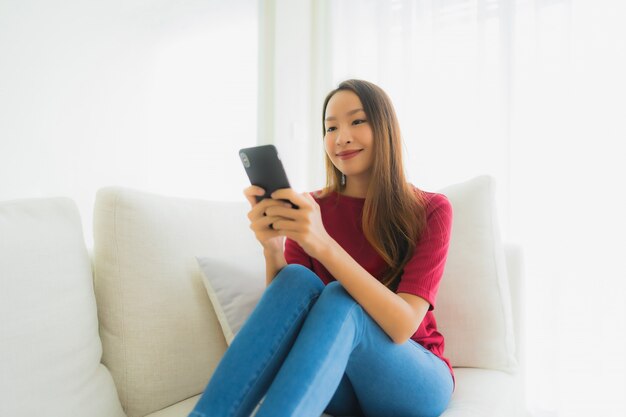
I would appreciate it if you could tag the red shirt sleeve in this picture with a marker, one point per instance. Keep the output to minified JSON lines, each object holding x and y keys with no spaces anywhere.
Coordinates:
{"x":294,"y":254}
{"x":422,"y":274}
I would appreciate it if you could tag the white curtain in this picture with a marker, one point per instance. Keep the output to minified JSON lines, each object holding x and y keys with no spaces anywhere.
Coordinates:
{"x":533,"y":93}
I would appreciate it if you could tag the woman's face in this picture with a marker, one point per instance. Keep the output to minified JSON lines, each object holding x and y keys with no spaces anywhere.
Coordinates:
{"x":349,"y":138}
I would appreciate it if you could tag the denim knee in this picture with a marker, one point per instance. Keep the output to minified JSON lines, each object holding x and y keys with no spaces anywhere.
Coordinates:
{"x":336,"y":303}
{"x":334,"y":294}
{"x":296,"y":278}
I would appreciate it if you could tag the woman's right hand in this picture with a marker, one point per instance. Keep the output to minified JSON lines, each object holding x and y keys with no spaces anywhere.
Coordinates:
{"x":260,"y":222}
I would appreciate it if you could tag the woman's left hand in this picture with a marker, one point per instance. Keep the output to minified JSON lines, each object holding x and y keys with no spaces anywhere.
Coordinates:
{"x":302,"y":225}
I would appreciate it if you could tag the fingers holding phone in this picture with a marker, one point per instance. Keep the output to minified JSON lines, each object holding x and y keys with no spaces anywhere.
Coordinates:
{"x":252,"y":193}
{"x":262,"y":216}
{"x":304,"y":225}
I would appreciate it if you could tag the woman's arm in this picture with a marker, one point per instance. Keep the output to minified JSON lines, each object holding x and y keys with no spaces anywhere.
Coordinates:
{"x":274,"y":262}
{"x":398,"y":315}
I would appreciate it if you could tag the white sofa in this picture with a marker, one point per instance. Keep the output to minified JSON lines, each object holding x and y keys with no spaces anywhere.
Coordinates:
{"x":129,"y":329}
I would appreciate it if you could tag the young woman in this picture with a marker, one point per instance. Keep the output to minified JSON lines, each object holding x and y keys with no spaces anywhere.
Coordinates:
{"x":345,"y":325}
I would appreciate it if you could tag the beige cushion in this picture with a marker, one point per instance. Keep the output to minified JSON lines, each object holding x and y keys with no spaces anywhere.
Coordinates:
{"x":50,"y":349}
{"x":160,"y":335}
{"x":474,"y":310}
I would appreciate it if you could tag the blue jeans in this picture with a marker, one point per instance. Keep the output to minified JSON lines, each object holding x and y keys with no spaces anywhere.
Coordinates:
{"x":310,"y":348}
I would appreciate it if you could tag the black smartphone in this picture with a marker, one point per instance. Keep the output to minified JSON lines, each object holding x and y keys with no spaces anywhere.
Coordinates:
{"x":264,"y":169}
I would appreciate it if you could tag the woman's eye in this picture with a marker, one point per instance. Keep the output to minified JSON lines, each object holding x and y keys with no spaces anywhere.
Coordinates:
{"x":359,"y":121}
{"x":330,"y":129}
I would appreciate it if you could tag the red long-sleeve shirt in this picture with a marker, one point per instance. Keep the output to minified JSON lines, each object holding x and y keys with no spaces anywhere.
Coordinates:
{"x":342,"y":215}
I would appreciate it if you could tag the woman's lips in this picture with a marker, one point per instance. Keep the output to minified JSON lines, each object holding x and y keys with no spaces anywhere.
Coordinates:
{"x":349,"y":155}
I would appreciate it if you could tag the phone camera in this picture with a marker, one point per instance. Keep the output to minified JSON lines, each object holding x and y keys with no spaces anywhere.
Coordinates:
{"x":244,"y":159}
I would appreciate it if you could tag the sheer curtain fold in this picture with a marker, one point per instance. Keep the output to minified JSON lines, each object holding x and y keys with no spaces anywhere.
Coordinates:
{"x":531,"y":93}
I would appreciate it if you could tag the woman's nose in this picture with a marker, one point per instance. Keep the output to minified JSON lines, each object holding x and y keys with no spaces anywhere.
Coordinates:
{"x":343,"y":137}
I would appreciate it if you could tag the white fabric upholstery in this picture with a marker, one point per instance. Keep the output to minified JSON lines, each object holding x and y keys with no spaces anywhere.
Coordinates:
{"x":50,"y":349}
{"x":474,"y":312}
{"x":159,"y":332}
{"x":161,"y":337}
{"x":183,"y":408}
{"x":479,"y":393}
{"x":485,"y":393}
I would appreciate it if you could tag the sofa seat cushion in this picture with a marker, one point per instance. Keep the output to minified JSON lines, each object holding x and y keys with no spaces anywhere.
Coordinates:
{"x":479,"y":393}
{"x":180,"y":409}
{"x":485,"y":393}
{"x":183,"y":408}
{"x":49,"y":342}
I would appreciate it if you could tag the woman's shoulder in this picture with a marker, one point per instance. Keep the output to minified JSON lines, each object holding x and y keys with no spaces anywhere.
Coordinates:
{"x":317,"y":193}
{"x":325,"y":194}
{"x":434,"y":201}
{"x":321,"y":196}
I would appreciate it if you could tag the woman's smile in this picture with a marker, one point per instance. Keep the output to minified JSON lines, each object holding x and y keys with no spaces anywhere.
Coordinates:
{"x":348,"y":154}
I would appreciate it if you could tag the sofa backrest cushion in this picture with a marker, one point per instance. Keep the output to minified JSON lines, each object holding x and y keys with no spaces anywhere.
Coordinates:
{"x":160,"y":334}
{"x":50,"y":349}
{"x":474,"y":312}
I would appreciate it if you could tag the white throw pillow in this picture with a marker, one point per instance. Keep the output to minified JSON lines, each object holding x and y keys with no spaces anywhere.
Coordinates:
{"x":50,"y":349}
{"x":474,"y":302}
{"x":234,"y":287}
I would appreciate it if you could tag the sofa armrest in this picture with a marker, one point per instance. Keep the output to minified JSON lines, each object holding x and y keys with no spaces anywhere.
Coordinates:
{"x":515,"y":270}
{"x":514,"y":263}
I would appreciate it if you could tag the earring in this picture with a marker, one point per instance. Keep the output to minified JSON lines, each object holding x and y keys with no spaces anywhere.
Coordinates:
{"x":343,"y":179}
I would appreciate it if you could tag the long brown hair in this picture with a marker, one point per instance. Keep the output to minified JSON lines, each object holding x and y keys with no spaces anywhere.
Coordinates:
{"x":394,"y":214}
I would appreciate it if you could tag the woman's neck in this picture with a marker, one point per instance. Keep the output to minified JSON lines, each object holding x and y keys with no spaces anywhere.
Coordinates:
{"x":355,"y":187}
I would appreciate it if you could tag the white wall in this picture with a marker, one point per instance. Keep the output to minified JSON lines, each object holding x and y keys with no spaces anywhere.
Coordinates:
{"x":155,"y":95}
